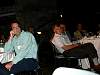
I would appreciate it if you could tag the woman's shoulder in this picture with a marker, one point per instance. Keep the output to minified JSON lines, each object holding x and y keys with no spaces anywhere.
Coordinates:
{"x":26,"y":33}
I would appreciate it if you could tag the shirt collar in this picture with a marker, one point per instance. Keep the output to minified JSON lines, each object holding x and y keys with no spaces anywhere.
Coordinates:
{"x":20,"y":34}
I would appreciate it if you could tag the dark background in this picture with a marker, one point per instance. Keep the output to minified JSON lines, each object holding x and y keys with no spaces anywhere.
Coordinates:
{"x":42,"y":13}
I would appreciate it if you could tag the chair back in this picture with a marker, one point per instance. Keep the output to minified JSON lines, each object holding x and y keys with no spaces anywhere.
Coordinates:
{"x":56,"y":52}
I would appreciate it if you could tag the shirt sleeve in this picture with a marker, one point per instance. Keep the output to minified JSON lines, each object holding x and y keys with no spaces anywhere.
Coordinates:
{"x":24,"y":50}
{"x":8,"y":46}
{"x":57,"y":42}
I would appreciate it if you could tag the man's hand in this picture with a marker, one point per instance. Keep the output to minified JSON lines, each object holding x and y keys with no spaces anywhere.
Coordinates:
{"x":9,"y":65}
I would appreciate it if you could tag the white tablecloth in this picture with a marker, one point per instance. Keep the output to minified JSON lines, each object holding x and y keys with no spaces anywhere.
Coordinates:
{"x":95,"y":41}
{"x":6,"y":57}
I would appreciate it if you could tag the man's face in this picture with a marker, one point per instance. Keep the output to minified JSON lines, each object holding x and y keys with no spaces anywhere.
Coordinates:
{"x":15,"y":28}
{"x":57,"y":30}
{"x":63,"y":28}
{"x":79,"y":27}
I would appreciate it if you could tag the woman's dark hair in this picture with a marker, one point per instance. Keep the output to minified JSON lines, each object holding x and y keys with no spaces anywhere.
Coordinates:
{"x":16,"y":21}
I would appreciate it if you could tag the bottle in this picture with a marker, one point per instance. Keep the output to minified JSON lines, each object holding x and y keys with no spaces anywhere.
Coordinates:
{"x":1,"y":46}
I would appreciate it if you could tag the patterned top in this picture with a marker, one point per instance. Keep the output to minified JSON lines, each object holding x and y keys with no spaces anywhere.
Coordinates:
{"x":24,"y":45}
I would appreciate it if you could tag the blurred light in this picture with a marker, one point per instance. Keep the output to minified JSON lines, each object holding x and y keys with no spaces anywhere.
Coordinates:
{"x":38,"y":32}
{"x":61,"y":16}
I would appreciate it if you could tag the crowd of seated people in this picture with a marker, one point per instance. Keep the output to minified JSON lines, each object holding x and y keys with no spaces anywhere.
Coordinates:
{"x":64,"y":46}
{"x":62,"y":39}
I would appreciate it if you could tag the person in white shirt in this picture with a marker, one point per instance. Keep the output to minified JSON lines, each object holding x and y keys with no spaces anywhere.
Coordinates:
{"x":75,"y":50}
{"x":65,"y":32}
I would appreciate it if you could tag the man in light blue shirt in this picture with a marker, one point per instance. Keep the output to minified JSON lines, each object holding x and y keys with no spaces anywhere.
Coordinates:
{"x":25,"y":46}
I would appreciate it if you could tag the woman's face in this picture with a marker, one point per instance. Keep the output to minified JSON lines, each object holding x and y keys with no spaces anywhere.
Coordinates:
{"x":15,"y":28}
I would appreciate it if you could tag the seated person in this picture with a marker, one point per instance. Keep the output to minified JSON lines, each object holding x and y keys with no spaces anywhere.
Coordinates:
{"x":98,"y":29}
{"x":80,"y":32}
{"x":65,"y":32}
{"x":24,"y":45}
{"x":65,"y":47}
